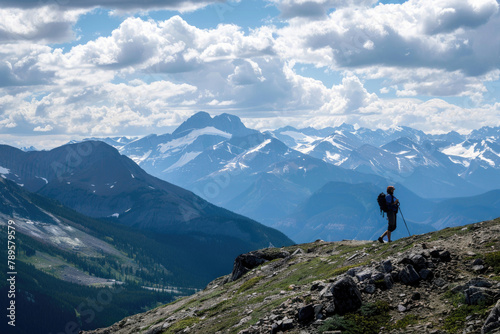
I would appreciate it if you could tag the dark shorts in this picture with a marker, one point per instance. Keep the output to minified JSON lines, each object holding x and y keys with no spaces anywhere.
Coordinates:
{"x":391,"y":217}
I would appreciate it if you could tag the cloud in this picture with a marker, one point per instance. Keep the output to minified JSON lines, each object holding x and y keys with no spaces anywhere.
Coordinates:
{"x":46,"y":128}
{"x":450,"y":36}
{"x":314,"y":9}
{"x":147,"y":76}
{"x":121,"y":5}
{"x":45,"y":24}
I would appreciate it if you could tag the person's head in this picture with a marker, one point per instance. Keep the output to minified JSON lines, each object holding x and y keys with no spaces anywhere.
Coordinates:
{"x":390,"y":190}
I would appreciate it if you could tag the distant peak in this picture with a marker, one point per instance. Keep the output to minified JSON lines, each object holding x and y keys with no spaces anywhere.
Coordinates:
{"x":225,"y":122}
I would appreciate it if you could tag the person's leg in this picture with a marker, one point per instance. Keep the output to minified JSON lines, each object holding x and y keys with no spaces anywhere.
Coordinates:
{"x":391,"y":216}
{"x":381,"y":238}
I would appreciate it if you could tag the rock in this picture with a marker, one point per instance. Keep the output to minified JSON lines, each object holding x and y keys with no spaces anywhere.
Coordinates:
{"x":478,"y":262}
{"x":478,"y":269}
{"x":352,"y":272}
{"x":388,"y":281}
{"x":244,"y":263}
{"x":154,"y":330}
{"x":287,"y":324}
{"x":370,"y":288}
{"x":347,"y":297}
{"x":364,"y":275}
{"x":401,"y":308}
{"x":387,"y":266}
{"x":418,"y":261}
{"x":330,"y":309}
{"x":408,"y":275}
{"x":298,"y":251}
{"x":493,"y":320}
{"x":439,"y":282}
{"x":416,"y":296}
{"x":377,"y":276}
{"x":476,"y":295}
{"x":306,"y":313}
{"x":317,"y":311}
{"x":318,"y":285}
{"x":426,"y":274}
{"x":445,"y":256}
{"x":435,"y":253}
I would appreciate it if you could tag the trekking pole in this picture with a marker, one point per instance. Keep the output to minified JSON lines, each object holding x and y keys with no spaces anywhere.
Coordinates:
{"x":401,"y":212}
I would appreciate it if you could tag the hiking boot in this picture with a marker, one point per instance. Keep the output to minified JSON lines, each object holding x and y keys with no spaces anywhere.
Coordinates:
{"x":380,"y":239}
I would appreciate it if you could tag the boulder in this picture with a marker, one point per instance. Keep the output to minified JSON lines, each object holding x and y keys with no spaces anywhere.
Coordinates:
{"x":346,"y":295}
{"x":306,"y":313}
{"x":408,"y":275}
{"x":445,"y":256}
{"x":418,"y":261}
{"x":426,"y":274}
{"x":387,"y":266}
{"x":364,"y":275}
{"x":475,"y":295}
{"x":244,"y":263}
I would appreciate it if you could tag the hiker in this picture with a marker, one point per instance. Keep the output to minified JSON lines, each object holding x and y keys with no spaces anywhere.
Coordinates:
{"x":392,"y":211}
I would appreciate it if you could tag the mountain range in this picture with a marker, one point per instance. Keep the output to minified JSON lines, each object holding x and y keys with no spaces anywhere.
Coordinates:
{"x":269,"y":176}
{"x":87,"y":216}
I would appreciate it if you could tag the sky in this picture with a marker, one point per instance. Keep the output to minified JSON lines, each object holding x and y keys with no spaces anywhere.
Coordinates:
{"x":71,"y":69}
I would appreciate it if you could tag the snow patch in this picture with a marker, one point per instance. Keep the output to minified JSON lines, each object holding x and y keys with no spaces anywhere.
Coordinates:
{"x":115,"y":215}
{"x":461,"y":151}
{"x":187,"y":157}
{"x":191,"y":137}
{"x":139,"y":159}
{"x":46,"y":181}
{"x":259,"y":147}
{"x":4,"y":170}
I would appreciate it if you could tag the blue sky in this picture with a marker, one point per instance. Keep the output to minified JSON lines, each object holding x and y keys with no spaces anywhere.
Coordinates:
{"x":71,"y":69}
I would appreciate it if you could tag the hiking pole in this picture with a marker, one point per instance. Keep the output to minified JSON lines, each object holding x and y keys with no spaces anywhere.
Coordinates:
{"x":401,"y":212}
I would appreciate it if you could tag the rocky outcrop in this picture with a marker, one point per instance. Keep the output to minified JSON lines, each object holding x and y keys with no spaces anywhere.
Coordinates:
{"x":246,"y":262}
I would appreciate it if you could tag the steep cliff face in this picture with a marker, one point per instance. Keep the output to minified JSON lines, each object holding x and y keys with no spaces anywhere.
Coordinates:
{"x":440,"y":282}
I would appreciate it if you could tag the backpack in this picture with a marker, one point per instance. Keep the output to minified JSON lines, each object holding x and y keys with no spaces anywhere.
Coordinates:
{"x":382,"y":203}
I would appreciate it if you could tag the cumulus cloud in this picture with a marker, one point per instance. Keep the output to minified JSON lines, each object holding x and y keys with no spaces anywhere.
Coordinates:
{"x":147,"y":76}
{"x":449,"y":36}
{"x":45,"y":25}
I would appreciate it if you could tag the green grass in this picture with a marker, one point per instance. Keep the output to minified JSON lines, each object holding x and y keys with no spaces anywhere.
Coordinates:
{"x":368,"y":320}
{"x":455,"y":321}
{"x":409,"y":319}
{"x":493,"y":260}
{"x":249,"y":283}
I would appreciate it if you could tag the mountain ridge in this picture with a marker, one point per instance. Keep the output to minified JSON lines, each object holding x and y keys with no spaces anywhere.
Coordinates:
{"x":440,"y":282}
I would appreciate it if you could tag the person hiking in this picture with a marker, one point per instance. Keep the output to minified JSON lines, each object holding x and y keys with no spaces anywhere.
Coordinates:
{"x":392,"y":211}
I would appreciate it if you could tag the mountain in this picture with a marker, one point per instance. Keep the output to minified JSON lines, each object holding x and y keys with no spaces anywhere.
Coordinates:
{"x":267,"y":176}
{"x":440,"y":282}
{"x":94,"y":179}
{"x":64,"y":258}
{"x":166,"y":156}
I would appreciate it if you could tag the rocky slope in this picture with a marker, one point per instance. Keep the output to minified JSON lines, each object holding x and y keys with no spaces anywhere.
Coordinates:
{"x":441,"y":282}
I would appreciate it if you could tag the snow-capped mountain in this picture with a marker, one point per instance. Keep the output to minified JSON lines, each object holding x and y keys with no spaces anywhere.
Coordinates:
{"x":266,"y":176}
{"x":166,"y":155}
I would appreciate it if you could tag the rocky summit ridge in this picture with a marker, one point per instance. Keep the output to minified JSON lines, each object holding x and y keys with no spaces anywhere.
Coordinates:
{"x":440,"y":282}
